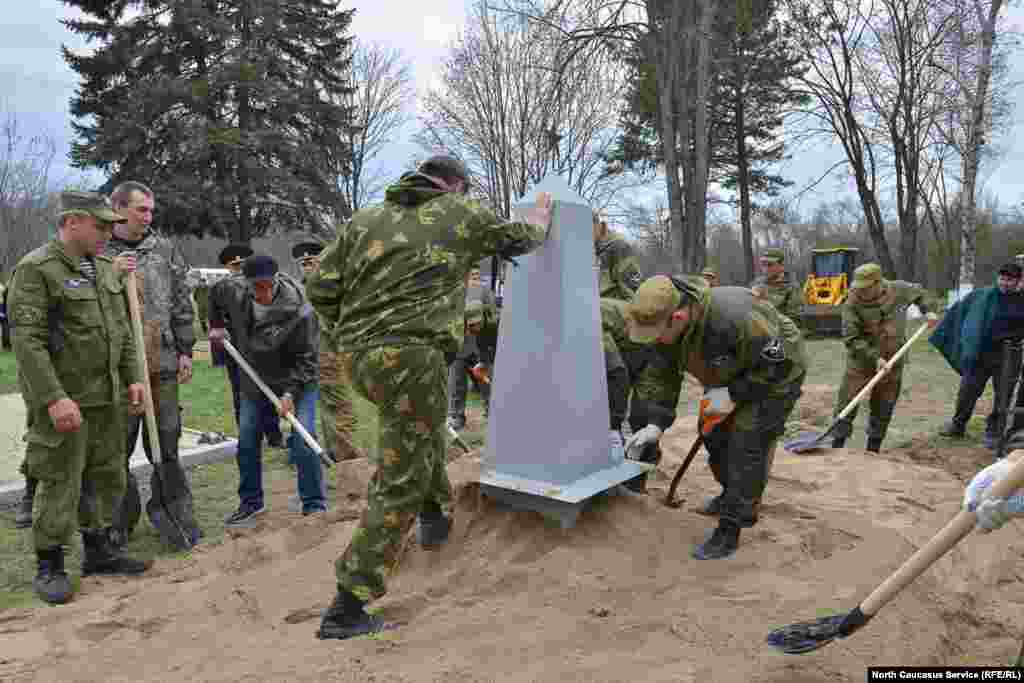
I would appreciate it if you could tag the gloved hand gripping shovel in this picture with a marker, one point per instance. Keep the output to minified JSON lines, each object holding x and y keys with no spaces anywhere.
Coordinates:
{"x":811,"y":635}
{"x":810,"y":441}
{"x":670,"y":497}
{"x":276,"y":402}
{"x":170,"y":505}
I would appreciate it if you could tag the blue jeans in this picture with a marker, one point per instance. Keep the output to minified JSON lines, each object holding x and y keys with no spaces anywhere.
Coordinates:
{"x":254,"y":414}
{"x":271,"y":427}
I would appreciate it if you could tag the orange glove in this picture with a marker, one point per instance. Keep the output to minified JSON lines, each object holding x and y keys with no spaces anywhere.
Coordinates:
{"x":715,"y":406}
{"x":480,"y":374}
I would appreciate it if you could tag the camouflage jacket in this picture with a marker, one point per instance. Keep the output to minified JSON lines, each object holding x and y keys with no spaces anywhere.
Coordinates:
{"x":166,"y":300}
{"x":482,"y":346}
{"x":876,"y":328}
{"x":617,"y":266}
{"x":734,"y":340}
{"x":396,"y":275}
{"x":782,"y":293}
{"x":72,"y":338}
{"x":619,"y":350}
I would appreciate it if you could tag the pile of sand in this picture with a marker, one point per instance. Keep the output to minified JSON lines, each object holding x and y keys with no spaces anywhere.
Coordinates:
{"x":513,"y":597}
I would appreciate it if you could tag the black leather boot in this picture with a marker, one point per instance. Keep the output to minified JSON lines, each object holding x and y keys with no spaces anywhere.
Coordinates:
{"x":722,"y":543}
{"x":347,"y":618}
{"x":874,"y":444}
{"x":432,"y":527}
{"x":51,"y":583}
{"x":100,"y":557}
{"x":23,"y":518}
{"x":838,"y":443}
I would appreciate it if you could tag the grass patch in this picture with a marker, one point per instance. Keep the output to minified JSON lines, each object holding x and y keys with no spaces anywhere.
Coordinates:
{"x":8,"y":373}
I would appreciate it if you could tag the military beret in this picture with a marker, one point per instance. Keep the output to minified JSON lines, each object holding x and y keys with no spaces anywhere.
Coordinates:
{"x":866,"y":275}
{"x":259,"y":267}
{"x":774,"y":254}
{"x":91,"y":204}
{"x":234,"y":252}
{"x":306,"y":249}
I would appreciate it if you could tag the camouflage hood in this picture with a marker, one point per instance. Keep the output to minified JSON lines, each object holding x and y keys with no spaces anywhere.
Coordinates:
{"x":413,"y":190}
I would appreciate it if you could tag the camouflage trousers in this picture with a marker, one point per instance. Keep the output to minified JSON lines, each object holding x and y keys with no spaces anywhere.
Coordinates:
{"x":62,"y":463}
{"x":742,"y":450}
{"x":337,"y":417}
{"x":408,"y":386}
{"x":882,"y":400}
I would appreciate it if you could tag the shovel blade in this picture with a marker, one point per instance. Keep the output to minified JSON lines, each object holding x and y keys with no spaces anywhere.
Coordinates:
{"x":170,"y":507}
{"x":805,"y":442}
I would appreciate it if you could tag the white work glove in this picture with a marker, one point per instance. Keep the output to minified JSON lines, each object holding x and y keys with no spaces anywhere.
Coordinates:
{"x":992,"y":512}
{"x":931,"y":316}
{"x":646,"y":436}
{"x":715,"y":406}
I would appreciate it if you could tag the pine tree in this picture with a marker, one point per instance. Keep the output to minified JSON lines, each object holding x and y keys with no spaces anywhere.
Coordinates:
{"x":234,"y":111}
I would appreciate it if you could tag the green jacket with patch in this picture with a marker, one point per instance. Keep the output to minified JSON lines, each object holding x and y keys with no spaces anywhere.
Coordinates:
{"x":878,"y":327}
{"x":396,"y":275}
{"x":618,"y":268}
{"x":782,"y":293}
{"x":72,"y":338}
{"x":734,"y":340}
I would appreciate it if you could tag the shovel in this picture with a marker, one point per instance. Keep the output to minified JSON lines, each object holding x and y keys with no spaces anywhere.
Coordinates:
{"x":170,"y":504}
{"x":809,"y":441}
{"x":272,"y":397}
{"x":811,"y":635}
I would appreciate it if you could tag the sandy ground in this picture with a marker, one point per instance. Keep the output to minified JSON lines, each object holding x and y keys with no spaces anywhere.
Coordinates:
{"x":512,"y":597}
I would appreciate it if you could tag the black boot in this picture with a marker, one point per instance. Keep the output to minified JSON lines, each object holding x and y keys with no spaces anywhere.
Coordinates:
{"x":722,"y":543}
{"x":100,"y":557}
{"x":51,"y":583}
{"x":953,"y":429}
{"x":712,"y":507}
{"x":874,"y":444}
{"x":23,"y":518}
{"x":347,"y":618}
{"x":838,"y":442}
{"x":433,"y":527}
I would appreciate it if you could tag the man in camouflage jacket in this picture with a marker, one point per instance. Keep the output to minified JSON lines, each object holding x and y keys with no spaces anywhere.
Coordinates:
{"x":391,"y":290}
{"x":616,"y":262}
{"x":76,"y":364}
{"x":167,"y":316}
{"x":750,"y":360}
{"x":775,"y":285}
{"x":874,"y":329}
{"x":478,"y":349}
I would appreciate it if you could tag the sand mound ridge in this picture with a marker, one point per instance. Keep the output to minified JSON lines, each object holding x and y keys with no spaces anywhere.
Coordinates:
{"x":512,"y":597}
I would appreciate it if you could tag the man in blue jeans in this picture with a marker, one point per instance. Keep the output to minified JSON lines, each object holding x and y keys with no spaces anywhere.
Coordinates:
{"x":276,"y":331}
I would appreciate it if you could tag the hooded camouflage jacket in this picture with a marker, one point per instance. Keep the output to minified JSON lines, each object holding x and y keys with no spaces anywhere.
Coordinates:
{"x":734,"y":340}
{"x":166,"y":301}
{"x":396,"y":275}
{"x":782,"y":293}
{"x":876,"y":328}
{"x":72,"y":338}
{"x":617,"y":266}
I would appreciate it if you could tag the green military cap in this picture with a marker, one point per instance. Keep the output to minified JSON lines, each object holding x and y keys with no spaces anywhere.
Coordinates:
{"x":89,"y":204}
{"x":866,"y":275}
{"x":652,"y":306}
{"x":474,"y":312}
{"x":774,"y":254}
{"x":305,"y":250}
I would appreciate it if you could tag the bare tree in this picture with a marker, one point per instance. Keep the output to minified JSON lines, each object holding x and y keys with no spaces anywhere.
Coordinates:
{"x":27,"y":204}
{"x":510,"y":108}
{"x":382,"y":103}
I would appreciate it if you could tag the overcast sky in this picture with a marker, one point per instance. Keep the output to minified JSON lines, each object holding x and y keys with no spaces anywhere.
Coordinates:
{"x":36,"y":84}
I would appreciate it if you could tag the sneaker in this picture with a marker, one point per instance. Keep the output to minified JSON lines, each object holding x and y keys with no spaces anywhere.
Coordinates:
{"x":245,"y":515}
{"x":314,"y":511}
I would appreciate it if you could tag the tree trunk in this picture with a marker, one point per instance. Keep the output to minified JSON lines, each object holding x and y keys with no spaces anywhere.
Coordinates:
{"x":743,"y":173}
{"x":667,"y":71}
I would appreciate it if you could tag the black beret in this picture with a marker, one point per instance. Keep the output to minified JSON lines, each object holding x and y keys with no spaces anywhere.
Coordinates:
{"x":233,"y":252}
{"x":306,"y":249}
{"x":259,"y":267}
{"x":1011,"y":270}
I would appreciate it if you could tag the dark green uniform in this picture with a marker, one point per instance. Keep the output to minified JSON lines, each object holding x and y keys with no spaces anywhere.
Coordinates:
{"x":72,"y":339}
{"x":739,"y":341}
{"x":618,"y":267}
{"x":390,"y":292}
{"x":874,"y":329}
{"x":782,"y":293}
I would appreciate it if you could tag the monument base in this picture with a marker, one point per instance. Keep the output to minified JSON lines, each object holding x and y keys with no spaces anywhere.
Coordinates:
{"x":562,"y":503}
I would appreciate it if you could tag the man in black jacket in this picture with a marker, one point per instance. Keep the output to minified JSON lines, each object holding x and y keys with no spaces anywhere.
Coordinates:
{"x":276,"y":331}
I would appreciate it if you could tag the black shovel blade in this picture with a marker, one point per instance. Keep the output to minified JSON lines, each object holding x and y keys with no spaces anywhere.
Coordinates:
{"x":170,"y":506}
{"x":805,"y":442}
{"x":806,"y":636}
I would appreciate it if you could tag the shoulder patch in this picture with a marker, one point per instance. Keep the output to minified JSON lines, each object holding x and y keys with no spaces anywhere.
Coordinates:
{"x":76,"y":283}
{"x":774,"y":351}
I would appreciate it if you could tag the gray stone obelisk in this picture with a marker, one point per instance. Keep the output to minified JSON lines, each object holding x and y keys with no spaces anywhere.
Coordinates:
{"x":547,"y":442}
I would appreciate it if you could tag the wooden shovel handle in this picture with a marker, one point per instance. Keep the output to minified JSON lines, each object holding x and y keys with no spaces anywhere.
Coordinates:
{"x":143,"y":367}
{"x":941,"y":543}
{"x":881,"y":373}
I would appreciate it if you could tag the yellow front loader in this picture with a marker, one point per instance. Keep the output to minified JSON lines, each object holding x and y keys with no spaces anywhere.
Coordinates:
{"x":826,"y":289}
